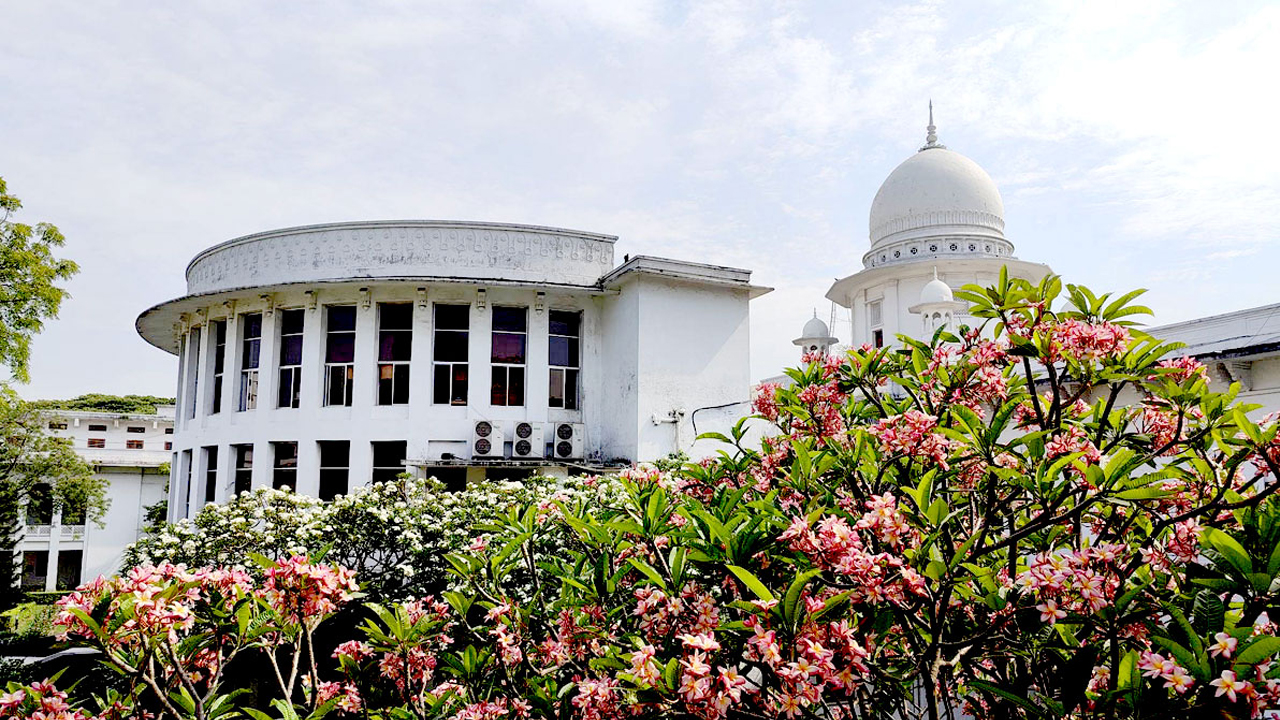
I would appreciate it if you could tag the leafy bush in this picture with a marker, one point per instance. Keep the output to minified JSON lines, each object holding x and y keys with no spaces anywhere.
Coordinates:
{"x":395,"y":534}
{"x":974,"y":524}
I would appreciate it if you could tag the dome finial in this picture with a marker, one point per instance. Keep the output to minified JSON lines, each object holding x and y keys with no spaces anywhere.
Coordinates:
{"x":931,"y":140}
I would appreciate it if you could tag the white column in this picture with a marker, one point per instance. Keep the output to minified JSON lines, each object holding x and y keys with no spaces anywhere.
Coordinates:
{"x":537,"y":377}
{"x":312,"y":393}
{"x":420,"y":368}
{"x":364,"y":386}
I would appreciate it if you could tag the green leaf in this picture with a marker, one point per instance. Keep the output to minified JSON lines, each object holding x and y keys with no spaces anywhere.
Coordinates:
{"x":649,"y":572}
{"x":1260,"y":649}
{"x":792,"y":600}
{"x":1000,"y":692}
{"x":1230,"y":550}
{"x":752,"y":582}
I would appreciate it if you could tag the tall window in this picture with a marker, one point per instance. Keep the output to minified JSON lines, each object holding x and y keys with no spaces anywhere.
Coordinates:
{"x":193,"y":365}
{"x":395,"y":338}
{"x":40,"y":505}
{"x":244,"y":468}
{"x":339,"y":354}
{"x":284,"y":473}
{"x":335,"y":468}
{"x":875,"y":321}
{"x":510,"y":331}
{"x":290,"y":389}
{"x":450,"y":354}
{"x":388,"y":459}
{"x":210,"y":473}
{"x":564,"y":357}
{"x":219,"y":360}
{"x":185,"y":490}
{"x":251,"y":346}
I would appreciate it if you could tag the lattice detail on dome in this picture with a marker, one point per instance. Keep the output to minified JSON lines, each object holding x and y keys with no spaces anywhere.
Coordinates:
{"x":938,"y":217}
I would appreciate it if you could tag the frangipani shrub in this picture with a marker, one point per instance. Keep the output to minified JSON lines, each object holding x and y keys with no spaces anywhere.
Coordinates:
{"x":1048,"y":516}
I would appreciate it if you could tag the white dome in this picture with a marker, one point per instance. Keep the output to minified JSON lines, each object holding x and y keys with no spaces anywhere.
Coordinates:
{"x":936,"y":291}
{"x":936,"y":193}
{"x":816,"y":329}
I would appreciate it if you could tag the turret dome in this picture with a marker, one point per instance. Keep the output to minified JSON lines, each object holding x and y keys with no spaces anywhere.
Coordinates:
{"x":936,"y":291}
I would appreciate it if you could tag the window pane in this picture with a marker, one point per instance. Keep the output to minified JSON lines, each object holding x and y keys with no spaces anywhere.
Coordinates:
{"x":509,"y":318}
{"x":451,"y":346}
{"x":564,"y":322}
{"x":291,"y":322}
{"x":440,"y":385}
{"x":400,"y":395}
{"x":395,"y":346}
{"x":389,"y":453}
{"x":333,"y":482}
{"x":571,"y":389}
{"x":559,"y":350}
{"x":397,"y":316}
{"x":508,"y":348}
{"x":498,"y":387}
{"x":342,"y":318}
{"x":253,"y":326}
{"x":453,"y":317}
{"x":459,"y":395}
{"x":335,"y":453}
{"x":574,"y":343}
{"x":251,"y":350}
{"x":556,"y":396}
{"x":515,"y":386}
{"x":340,"y":348}
{"x":291,"y":350}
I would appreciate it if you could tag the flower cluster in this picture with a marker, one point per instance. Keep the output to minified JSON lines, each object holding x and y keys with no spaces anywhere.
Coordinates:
{"x":913,"y":434}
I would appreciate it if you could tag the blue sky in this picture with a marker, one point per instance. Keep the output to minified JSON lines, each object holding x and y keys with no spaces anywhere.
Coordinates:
{"x":1135,"y":143}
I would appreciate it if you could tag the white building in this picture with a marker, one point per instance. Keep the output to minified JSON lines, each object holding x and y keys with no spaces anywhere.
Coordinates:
{"x":937,"y":223}
{"x":328,"y":356}
{"x":58,"y":548}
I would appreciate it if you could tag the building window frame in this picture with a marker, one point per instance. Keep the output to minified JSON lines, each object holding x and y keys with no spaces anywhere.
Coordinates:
{"x":243,"y":476}
{"x":339,"y":354}
{"x":395,"y":351}
{"x":509,"y":355}
{"x":219,"y":364}
{"x":284,"y":465}
{"x":335,"y":468}
{"x":451,"y":336}
{"x":292,"y":325}
{"x":210,"y":473}
{"x":384,"y":469}
{"x":564,"y":356}
{"x":250,"y":359}
{"x":875,"y":322}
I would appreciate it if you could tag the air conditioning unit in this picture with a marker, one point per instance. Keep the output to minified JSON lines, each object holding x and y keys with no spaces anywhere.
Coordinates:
{"x":527,"y":440}
{"x":486,"y":440}
{"x":569,"y":441}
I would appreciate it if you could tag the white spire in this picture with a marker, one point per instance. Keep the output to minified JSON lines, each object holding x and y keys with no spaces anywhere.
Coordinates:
{"x":931,"y":139}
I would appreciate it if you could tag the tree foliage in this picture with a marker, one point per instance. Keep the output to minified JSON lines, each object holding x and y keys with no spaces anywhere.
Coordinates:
{"x":29,"y":277}
{"x":99,"y":402}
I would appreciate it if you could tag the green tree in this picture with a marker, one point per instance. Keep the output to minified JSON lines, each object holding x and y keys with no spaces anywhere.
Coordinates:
{"x":29,"y":457}
{"x":28,"y":276}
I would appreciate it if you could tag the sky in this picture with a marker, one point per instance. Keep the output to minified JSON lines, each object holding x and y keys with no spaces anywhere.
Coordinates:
{"x":1134,"y":142}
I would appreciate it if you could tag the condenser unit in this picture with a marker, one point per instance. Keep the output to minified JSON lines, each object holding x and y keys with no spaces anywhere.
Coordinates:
{"x":527,"y":440}
{"x":486,"y":440}
{"x":569,"y":441}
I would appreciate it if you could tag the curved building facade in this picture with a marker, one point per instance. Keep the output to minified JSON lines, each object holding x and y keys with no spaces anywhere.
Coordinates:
{"x":325,"y":357}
